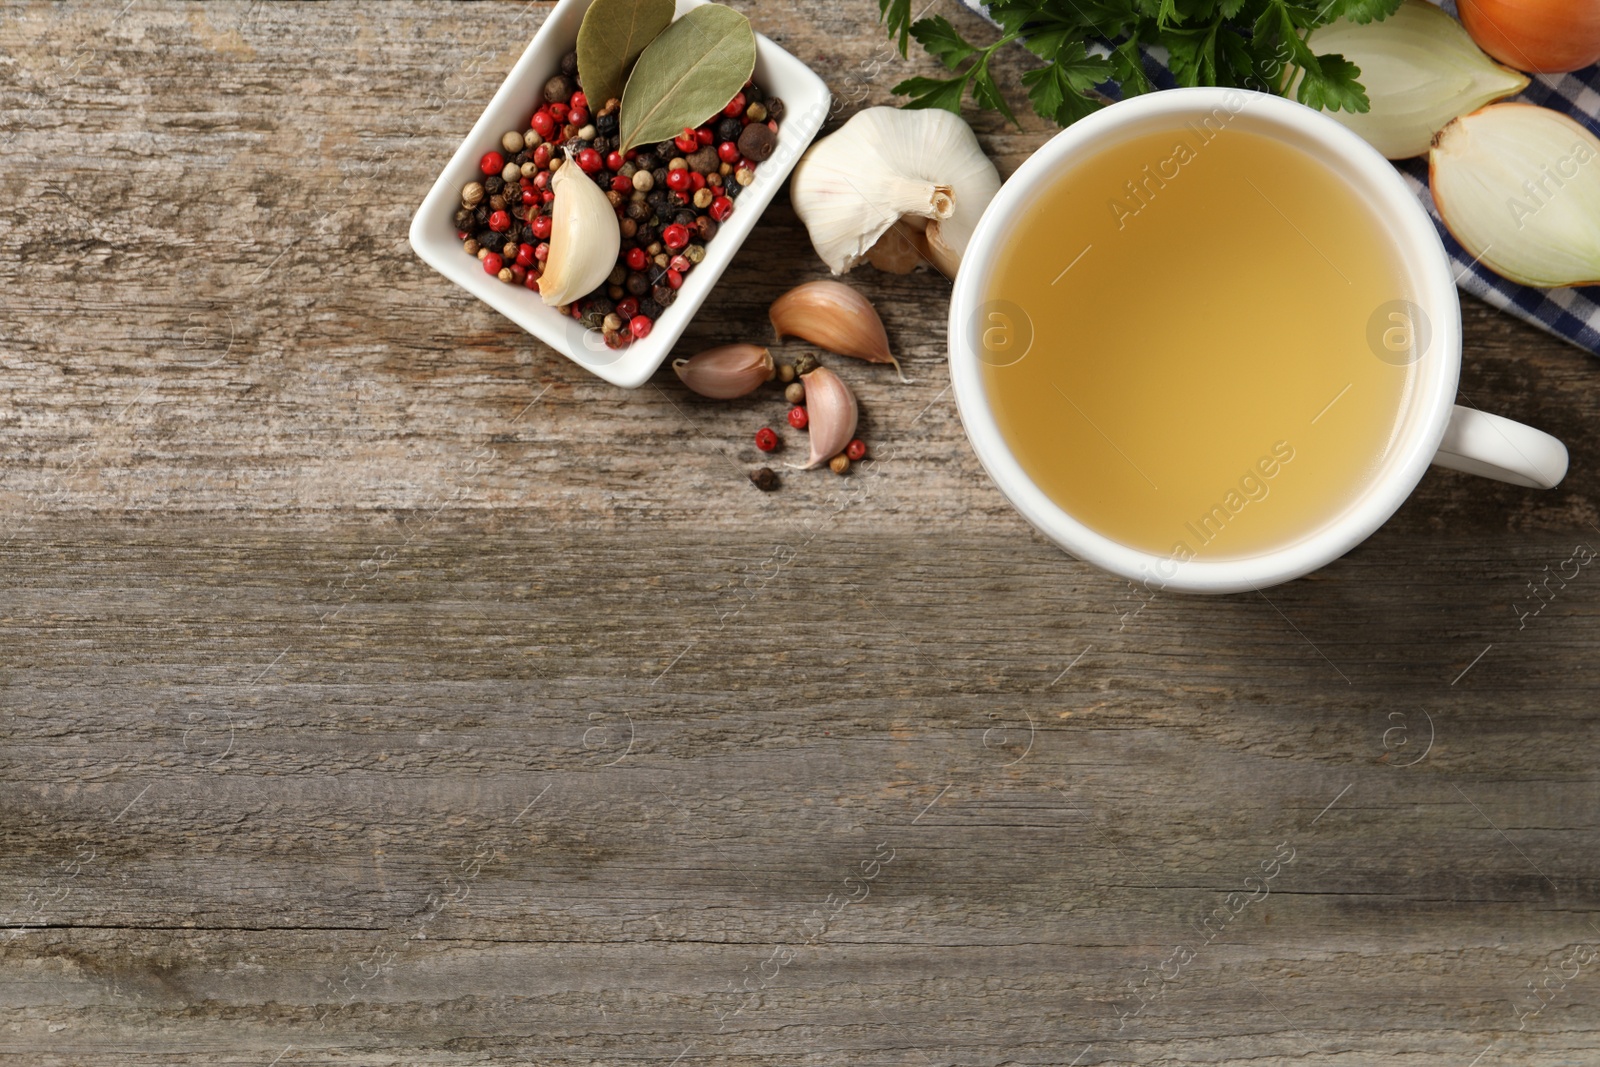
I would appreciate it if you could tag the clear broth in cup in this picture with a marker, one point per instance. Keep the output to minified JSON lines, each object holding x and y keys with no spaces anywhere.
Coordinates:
{"x":1216,"y":342}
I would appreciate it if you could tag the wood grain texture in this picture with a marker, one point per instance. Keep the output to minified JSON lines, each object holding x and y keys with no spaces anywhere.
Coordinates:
{"x":380,"y":689}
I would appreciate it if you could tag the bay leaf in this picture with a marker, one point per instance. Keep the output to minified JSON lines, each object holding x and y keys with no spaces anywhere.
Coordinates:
{"x":610,"y":38}
{"x":687,"y":74}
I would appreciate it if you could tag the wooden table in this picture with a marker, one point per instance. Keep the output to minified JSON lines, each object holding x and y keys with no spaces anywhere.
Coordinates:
{"x":379,"y":688}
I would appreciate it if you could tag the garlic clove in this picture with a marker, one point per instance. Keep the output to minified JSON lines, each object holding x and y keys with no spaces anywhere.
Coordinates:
{"x":832,"y":412}
{"x":1519,"y":187}
{"x":888,"y":164}
{"x":1420,"y":70}
{"x":584,"y":237}
{"x":834,"y":316}
{"x":902,"y":248}
{"x":727,"y":371}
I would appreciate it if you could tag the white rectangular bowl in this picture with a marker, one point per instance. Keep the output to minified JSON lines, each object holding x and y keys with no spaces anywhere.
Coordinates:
{"x":806,"y":100}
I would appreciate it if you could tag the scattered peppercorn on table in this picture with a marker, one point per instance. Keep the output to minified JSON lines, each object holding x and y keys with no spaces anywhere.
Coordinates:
{"x":381,"y":688}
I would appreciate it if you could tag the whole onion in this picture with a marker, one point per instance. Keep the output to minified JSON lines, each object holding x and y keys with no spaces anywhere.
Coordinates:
{"x":1540,"y":36}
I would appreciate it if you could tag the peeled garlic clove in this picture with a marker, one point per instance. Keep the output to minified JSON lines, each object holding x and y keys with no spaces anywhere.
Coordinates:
{"x":584,"y":237}
{"x":727,"y":371}
{"x":1420,"y":70}
{"x":834,"y":316}
{"x":831,"y":413}
{"x":1519,"y":187}
{"x":886,"y":164}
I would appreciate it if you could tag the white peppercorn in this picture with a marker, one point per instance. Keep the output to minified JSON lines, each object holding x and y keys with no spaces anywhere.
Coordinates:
{"x":511,"y":142}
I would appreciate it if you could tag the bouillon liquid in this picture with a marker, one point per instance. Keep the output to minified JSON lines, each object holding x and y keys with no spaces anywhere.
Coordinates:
{"x":1201,"y":379}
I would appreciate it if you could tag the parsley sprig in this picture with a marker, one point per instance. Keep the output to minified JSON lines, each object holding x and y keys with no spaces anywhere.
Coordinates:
{"x":1249,"y":44}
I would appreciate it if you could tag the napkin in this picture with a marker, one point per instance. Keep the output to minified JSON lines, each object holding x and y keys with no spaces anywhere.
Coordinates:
{"x":1571,"y":314}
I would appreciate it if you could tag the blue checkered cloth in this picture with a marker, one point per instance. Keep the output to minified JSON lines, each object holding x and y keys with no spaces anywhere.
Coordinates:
{"x":1571,"y":314}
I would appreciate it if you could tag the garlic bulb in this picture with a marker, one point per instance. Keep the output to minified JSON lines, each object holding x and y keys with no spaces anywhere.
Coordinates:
{"x":832,"y":413}
{"x":584,"y":237}
{"x":886,"y":164}
{"x":1420,"y":69}
{"x":1519,"y":187}
{"x":834,"y":316}
{"x":727,"y":371}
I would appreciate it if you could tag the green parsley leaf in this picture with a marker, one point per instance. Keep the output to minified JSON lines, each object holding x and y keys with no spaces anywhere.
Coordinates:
{"x":1360,"y":11}
{"x":987,"y":93}
{"x":1333,"y":86}
{"x":896,"y":15}
{"x":1057,"y":91}
{"x":942,"y":41}
{"x":933,"y":92}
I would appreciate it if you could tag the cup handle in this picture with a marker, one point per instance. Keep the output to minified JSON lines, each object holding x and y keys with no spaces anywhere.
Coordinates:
{"x":1488,"y":445}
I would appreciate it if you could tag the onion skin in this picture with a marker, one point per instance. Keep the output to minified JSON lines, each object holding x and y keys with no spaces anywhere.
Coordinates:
{"x":1538,"y":36}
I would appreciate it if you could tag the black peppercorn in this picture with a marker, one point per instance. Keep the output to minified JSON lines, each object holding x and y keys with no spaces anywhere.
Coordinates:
{"x":558,"y":89}
{"x":601,"y":143}
{"x":592,"y":318}
{"x":649,"y":309}
{"x":764,"y":479}
{"x":775,"y":109}
{"x":705,"y":227}
{"x":464,"y":219}
{"x":660,"y":175}
{"x":754,"y":93}
{"x":480,"y":214}
{"x":637,"y":210}
{"x":490,"y":240}
{"x":805,"y":364}
{"x":569,"y":65}
{"x":757,"y":142}
{"x":684,"y":217}
{"x":731,"y":190}
{"x":667,"y":149}
{"x":493,"y":184}
{"x":730,"y":129}
{"x":637,"y":284}
{"x":603,"y":305}
{"x":497,"y":203}
{"x":607,"y":125}
{"x":663,"y":295}
{"x":521,"y":157}
{"x":646,"y":161}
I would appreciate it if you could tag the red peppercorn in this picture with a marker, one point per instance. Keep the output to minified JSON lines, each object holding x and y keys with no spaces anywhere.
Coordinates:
{"x":704,"y":135}
{"x":678,"y":180}
{"x":519,"y":273}
{"x":492,"y":263}
{"x":589,"y":160}
{"x":578,"y":116}
{"x":614,"y":160}
{"x":637,"y":259}
{"x":579,"y":99}
{"x":542,"y":180}
{"x":674,"y":279}
{"x":697,"y":180}
{"x":542,"y":123}
{"x":772,"y":124}
{"x":541,"y":251}
{"x":680,"y":198}
{"x":766,"y":439}
{"x":499,"y":221}
{"x":558,"y":113}
{"x":532,"y":281}
{"x":541,"y":158}
{"x":627,"y":308}
{"x":462,"y":235}
{"x":525,"y":256}
{"x":639,"y":326}
{"x":621,"y":184}
{"x":797,"y":417}
{"x":529,"y":196}
{"x":675,"y":236}
{"x":856,"y":450}
{"x":728,"y":152}
{"x":735,"y":106}
{"x":688,"y":140}
{"x":680,"y":264}
{"x":721,"y":208}
{"x":547,"y":196}
{"x":492,"y":163}
{"x":541,"y":226}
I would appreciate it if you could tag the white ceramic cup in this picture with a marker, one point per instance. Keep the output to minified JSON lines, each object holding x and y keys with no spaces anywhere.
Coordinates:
{"x":1432,"y":429}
